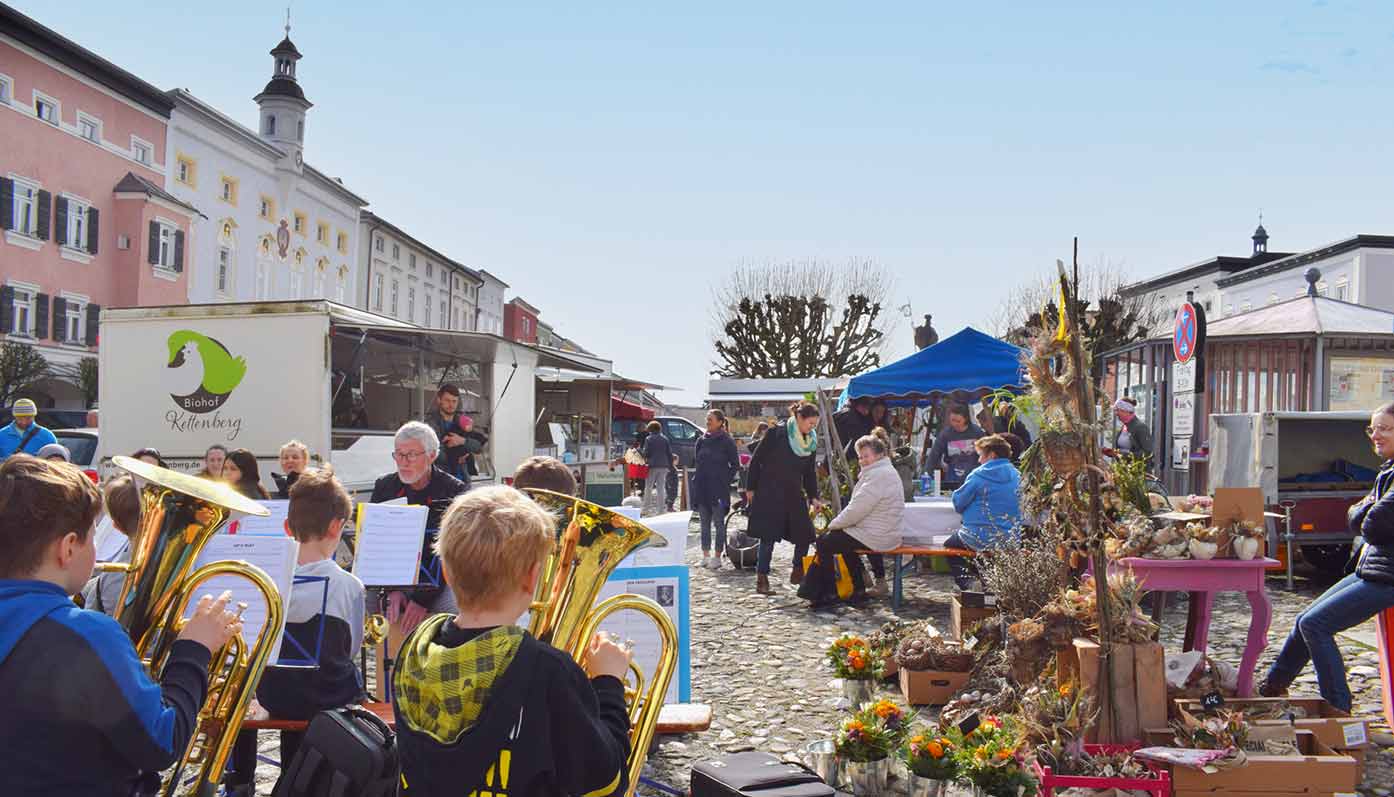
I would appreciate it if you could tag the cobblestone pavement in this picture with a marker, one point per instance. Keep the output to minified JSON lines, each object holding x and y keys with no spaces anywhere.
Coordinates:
{"x":758,"y":661}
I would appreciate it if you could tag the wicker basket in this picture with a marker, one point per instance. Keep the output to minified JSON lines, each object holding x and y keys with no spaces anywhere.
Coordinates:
{"x":1064,"y":452}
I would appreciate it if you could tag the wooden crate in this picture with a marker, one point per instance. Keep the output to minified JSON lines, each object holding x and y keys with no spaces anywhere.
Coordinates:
{"x":1139,"y":689}
{"x":961,"y":618}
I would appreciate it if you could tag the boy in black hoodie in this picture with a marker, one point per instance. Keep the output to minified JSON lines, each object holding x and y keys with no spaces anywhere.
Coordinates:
{"x":481,"y":706}
{"x":78,"y":714}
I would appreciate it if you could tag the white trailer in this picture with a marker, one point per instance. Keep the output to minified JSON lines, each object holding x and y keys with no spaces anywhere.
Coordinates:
{"x":254,"y":375}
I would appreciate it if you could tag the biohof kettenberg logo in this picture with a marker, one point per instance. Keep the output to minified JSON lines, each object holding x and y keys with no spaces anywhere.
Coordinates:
{"x":205,"y":372}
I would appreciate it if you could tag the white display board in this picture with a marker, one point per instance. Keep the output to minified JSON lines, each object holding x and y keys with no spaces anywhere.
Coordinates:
{"x":275,"y":555}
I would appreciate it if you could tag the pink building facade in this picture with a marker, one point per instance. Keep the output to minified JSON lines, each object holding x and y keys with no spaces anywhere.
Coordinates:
{"x":84,"y":219}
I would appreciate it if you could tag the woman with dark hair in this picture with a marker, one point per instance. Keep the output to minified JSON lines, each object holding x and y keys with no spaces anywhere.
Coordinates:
{"x":783,"y":482}
{"x":240,"y":471}
{"x":1362,"y":594}
{"x":953,"y":447}
{"x":150,"y":456}
{"x":717,"y":462}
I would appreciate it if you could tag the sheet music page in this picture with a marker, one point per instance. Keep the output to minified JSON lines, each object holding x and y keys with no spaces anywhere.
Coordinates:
{"x":673,"y":528}
{"x":389,"y":544}
{"x":638,"y":627}
{"x":275,"y":555}
{"x":274,"y":525}
{"x":110,"y":542}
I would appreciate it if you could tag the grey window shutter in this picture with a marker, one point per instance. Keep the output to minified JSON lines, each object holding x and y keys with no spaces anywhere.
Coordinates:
{"x":7,"y":203}
{"x":60,"y":319}
{"x":45,"y":216}
{"x":61,"y":211}
{"x":178,"y":250}
{"x":92,"y":231}
{"x":7,"y":309}
{"x":154,"y":255}
{"x":94,"y":318}
{"x":41,"y":316}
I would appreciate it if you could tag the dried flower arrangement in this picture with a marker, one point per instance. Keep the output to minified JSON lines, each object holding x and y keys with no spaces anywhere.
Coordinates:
{"x":1129,"y":622}
{"x":1222,"y":730}
{"x":1025,"y":574}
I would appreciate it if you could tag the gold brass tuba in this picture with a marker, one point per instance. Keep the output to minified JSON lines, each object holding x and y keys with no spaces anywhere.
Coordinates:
{"x":591,"y":542}
{"x":179,"y":513}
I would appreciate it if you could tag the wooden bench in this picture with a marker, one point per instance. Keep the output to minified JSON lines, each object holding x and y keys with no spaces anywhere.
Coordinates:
{"x":674,"y":718}
{"x":896,"y":554}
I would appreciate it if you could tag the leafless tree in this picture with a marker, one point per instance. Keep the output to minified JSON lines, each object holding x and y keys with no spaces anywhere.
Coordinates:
{"x":801,"y":318}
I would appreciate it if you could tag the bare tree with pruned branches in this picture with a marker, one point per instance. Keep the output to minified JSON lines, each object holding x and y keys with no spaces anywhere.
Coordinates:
{"x":1108,"y":317}
{"x":800,"y":319}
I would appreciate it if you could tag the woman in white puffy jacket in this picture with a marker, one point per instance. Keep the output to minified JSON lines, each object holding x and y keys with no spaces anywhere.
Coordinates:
{"x":870,"y":521}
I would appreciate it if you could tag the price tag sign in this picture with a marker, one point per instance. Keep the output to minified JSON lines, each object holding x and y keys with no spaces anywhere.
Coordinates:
{"x":1355,"y":734}
{"x":969,"y":724}
{"x":1213,"y":701}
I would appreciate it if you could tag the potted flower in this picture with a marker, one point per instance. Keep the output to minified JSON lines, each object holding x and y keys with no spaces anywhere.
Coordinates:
{"x":852,"y":660}
{"x":1247,"y":539}
{"x":990,"y":760}
{"x":864,"y":745}
{"x":932,"y":763}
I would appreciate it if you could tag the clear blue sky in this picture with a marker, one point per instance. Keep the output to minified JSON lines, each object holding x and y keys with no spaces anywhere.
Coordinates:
{"x":612,"y":161}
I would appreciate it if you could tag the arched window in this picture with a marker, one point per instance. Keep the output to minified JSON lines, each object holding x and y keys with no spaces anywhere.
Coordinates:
{"x":268,"y":125}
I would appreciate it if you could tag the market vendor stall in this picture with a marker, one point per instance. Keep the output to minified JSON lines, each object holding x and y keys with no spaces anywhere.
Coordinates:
{"x":969,"y":362}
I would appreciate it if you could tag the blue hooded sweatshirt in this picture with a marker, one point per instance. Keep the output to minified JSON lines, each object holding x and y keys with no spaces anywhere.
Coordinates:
{"x":990,"y":504}
{"x":78,"y":714}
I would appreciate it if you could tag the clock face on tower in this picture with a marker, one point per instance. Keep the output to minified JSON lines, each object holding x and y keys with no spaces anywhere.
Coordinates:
{"x":299,"y":160}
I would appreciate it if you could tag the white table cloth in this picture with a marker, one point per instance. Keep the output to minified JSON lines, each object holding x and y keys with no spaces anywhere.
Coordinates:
{"x":928,"y":520}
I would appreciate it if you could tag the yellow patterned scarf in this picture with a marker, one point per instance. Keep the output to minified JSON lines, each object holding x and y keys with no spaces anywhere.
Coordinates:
{"x":441,"y":691}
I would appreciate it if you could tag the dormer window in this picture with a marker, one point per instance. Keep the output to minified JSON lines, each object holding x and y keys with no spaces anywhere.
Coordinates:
{"x":268,"y":126}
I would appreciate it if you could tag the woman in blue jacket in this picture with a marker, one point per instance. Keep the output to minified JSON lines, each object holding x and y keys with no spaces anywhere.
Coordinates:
{"x":1354,"y":599}
{"x":989,"y":502}
{"x":717,"y":461}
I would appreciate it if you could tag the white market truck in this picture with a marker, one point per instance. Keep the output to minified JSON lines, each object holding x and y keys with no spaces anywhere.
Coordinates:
{"x":1315,"y":464}
{"x":255,"y":375}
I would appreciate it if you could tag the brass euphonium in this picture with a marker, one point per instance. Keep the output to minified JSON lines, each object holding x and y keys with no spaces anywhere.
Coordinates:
{"x":179,"y":513}
{"x":591,"y":542}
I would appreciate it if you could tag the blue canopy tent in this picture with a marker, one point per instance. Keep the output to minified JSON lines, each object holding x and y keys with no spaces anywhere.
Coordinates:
{"x":968,"y":361}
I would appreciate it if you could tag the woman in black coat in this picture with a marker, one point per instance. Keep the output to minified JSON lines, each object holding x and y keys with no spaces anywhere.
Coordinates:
{"x":783,"y":482}
{"x":717,"y":462}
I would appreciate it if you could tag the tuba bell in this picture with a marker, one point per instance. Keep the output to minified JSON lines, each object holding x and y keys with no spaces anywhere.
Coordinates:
{"x":591,"y":542}
{"x":179,"y":513}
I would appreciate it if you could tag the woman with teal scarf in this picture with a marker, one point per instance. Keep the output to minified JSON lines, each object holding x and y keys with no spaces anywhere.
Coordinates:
{"x":783,"y":481}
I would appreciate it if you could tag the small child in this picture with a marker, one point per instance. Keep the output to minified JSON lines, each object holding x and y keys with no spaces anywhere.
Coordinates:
{"x":481,"y":706}
{"x":325,"y":607}
{"x":123,"y":505}
{"x":80,"y":715}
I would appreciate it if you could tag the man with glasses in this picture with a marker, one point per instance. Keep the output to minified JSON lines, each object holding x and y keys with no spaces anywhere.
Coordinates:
{"x":419,"y":480}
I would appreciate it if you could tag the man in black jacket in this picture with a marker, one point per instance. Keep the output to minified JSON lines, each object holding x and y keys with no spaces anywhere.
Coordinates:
{"x":852,"y":423}
{"x":422,"y":483}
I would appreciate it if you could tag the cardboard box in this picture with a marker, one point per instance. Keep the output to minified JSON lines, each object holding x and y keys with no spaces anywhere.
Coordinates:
{"x":1331,"y":726}
{"x":931,"y":687}
{"x":961,"y":618}
{"x":1318,"y":771}
{"x":1139,"y":688}
{"x":977,"y":600}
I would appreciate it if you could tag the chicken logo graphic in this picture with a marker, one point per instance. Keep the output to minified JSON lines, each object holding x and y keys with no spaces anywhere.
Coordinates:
{"x":205,"y":372}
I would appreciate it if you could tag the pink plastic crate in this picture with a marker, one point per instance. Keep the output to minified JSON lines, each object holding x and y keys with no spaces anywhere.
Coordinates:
{"x":1159,"y":784}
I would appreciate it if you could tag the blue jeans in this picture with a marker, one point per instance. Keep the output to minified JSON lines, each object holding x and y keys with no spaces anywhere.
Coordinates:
{"x":1350,"y":602}
{"x":714,"y":512}
{"x":762,"y":559}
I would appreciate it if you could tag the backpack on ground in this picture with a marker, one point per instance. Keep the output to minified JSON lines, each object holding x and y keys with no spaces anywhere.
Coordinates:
{"x":346,"y":752}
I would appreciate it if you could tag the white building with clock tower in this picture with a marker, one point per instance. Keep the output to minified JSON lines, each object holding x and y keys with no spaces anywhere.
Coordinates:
{"x":272,"y":226}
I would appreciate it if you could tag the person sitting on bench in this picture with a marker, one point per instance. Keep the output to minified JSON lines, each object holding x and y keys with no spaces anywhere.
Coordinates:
{"x":871,"y":520}
{"x":990,"y":503}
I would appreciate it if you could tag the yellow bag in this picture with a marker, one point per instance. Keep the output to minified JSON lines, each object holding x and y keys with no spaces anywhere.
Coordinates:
{"x":842,"y":577}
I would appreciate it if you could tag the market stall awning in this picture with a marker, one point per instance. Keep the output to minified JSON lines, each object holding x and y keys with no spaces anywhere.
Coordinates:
{"x":623,"y":410}
{"x":968,"y":361}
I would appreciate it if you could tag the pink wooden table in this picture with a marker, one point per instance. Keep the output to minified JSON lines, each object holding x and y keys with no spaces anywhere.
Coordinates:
{"x":1202,"y":578}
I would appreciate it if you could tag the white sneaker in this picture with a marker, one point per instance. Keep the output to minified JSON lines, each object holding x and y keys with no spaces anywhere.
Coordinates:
{"x":716,"y":562}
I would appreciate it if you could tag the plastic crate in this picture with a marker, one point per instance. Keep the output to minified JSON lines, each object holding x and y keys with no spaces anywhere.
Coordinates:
{"x":1159,"y":784}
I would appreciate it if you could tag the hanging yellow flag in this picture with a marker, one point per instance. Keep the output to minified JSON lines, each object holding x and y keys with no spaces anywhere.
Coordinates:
{"x":1062,"y":330}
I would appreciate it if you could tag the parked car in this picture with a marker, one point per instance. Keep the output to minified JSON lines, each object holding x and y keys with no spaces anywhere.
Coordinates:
{"x":682,"y":433}
{"x":84,"y":446}
{"x":52,"y":419}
